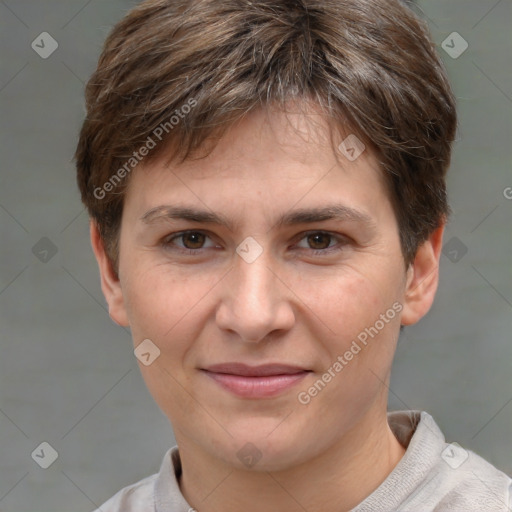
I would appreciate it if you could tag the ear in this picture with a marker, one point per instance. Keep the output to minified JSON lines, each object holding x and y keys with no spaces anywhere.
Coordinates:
{"x":110,"y":283}
{"x":422,"y":278}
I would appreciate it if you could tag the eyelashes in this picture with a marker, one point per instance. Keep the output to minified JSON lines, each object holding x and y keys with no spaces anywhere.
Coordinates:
{"x":198,"y":238}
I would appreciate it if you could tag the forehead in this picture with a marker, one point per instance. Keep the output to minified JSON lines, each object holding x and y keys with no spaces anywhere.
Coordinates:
{"x":268,"y":158}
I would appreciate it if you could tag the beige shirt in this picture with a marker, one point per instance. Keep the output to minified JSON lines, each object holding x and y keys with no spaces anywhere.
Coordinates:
{"x":432,"y":476}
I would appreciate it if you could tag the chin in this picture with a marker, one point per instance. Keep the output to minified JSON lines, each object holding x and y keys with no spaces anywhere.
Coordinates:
{"x":262,"y":447}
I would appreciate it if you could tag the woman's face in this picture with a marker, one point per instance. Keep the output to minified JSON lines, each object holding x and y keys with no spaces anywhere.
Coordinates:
{"x":256,"y":273}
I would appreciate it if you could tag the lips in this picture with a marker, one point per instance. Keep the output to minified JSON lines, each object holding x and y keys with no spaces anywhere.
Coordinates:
{"x":262,"y":381}
{"x":254,"y":371}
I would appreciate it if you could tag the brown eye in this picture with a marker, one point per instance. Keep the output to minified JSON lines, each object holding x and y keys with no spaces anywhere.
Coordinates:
{"x":319,"y":240}
{"x":188,"y":241}
{"x":193,"y":240}
{"x":323,"y":243}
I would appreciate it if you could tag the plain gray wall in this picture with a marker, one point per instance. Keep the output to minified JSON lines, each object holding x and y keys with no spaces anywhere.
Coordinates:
{"x":67,"y":373}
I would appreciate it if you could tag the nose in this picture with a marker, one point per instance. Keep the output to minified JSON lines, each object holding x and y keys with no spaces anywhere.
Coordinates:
{"x":255,"y":301}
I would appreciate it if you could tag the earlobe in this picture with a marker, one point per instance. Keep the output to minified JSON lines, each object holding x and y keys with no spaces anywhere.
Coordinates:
{"x":110,"y":283}
{"x":422,"y":278}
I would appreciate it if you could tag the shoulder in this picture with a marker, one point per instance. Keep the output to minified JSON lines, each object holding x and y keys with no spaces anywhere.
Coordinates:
{"x":470,"y":482}
{"x":159,"y":491}
{"x":454,"y":478}
{"x":435,"y":476}
{"x":138,"y":497}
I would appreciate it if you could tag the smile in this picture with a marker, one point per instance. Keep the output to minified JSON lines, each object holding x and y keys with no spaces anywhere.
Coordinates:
{"x":255,"y":382}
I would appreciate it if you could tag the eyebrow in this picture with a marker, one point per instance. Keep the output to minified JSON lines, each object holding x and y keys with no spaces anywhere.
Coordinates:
{"x":299,"y":216}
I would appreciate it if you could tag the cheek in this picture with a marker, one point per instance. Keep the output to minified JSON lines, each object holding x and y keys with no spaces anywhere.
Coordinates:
{"x":163,"y":306}
{"x":167,"y":308}
{"x":348,"y":302}
{"x":362,"y":313}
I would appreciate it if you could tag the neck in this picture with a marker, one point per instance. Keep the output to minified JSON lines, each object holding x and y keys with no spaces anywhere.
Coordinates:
{"x":336,"y":480}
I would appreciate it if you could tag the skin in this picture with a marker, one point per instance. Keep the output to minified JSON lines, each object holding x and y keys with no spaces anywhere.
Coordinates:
{"x":291,"y":305}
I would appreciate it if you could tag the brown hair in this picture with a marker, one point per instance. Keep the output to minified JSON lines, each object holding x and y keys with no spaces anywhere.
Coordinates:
{"x":174,"y":72}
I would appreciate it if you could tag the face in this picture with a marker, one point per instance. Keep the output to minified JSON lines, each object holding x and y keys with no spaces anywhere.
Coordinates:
{"x":269,"y":276}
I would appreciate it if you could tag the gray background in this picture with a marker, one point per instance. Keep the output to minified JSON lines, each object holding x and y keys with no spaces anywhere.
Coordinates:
{"x":67,"y":373}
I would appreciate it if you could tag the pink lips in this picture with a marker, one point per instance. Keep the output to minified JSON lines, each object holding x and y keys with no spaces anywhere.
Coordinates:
{"x":255,"y":381}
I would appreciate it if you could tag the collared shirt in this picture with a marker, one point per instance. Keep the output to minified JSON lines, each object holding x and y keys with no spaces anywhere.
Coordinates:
{"x":432,"y":476}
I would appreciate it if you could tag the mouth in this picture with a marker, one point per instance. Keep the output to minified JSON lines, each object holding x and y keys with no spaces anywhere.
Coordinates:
{"x":255,"y":381}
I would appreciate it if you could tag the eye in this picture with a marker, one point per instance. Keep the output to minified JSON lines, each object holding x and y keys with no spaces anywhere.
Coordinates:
{"x":192,"y":241}
{"x":321,"y":241}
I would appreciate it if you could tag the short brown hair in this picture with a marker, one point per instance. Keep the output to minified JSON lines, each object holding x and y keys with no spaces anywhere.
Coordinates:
{"x":368,"y":64}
